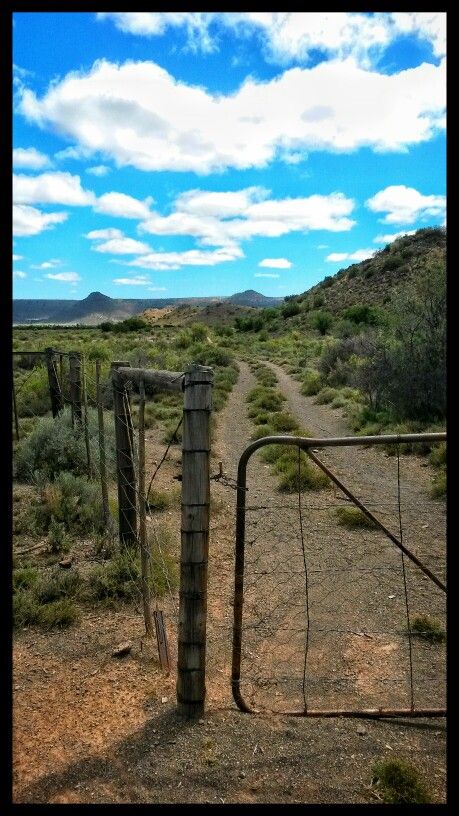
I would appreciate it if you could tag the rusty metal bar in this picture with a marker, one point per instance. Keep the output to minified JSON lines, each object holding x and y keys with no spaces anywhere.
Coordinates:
{"x":306,"y":443}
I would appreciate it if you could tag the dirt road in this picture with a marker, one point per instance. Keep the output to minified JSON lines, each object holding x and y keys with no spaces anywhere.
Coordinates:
{"x":88,"y":729}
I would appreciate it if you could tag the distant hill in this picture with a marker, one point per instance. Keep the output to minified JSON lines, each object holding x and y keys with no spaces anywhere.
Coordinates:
{"x":252,"y":298}
{"x":373,"y":281}
{"x":97,"y":307}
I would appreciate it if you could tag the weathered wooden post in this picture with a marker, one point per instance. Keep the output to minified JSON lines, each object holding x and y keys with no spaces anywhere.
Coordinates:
{"x":55,"y":392}
{"x":144,"y":551}
{"x":127,"y":504}
{"x":15,"y":410}
{"x":191,"y":688}
{"x":85,"y":416}
{"x":102,"y":463}
{"x":75,"y":384}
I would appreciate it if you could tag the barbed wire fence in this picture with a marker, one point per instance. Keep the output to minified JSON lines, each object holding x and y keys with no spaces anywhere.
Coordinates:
{"x":86,"y":396}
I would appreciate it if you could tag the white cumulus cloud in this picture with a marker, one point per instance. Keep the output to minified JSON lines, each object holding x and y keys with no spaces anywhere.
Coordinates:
{"x":18,"y":274}
{"x":30,"y":158}
{"x":405,"y":205}
{"x":191,"y":257}
{"x":65,"y":277}
{"x":31,"y":221}
{"x":123,"y":246}
{"x":227,"y":218}
{"x":276,"y":263}
{"x":121,"y":205}
{"x":17,"y":257}
{"x":140,"y":115}
{"x":51,"y":188}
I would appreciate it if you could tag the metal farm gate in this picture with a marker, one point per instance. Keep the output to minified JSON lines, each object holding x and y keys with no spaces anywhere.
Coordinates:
{"x":339,"y":620}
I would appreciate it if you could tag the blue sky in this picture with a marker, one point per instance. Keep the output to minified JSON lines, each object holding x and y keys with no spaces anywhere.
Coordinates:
{"x":175,"y":154}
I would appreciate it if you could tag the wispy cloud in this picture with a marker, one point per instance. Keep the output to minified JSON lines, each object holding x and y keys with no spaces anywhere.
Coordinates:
{"x":276,"y":263}
{"x":358,"y":255}
{"x":18,"y":274}
{"x":65,"y":277}
{"x":266,"y":275}
{"x":99,"y":170}
{"x":139,"y":280}
{"x":389,"y":238}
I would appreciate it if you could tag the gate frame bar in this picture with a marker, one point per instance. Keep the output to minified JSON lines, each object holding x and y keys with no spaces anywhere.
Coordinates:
{"x":305,"y":443}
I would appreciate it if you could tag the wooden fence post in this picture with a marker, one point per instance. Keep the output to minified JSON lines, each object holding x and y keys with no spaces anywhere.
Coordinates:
{"x":191,"y":687}
{"x":143,"y":540}
{"x":85,"y":416}
{"x":55,"y":393}
{"x":127,"y":501}
{"x":75,"y":385}
{"x":15,"y":410}
{"x":102,"y":463}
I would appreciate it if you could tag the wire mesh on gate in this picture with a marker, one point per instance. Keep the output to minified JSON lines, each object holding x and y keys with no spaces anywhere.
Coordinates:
{"x":331,"y":619}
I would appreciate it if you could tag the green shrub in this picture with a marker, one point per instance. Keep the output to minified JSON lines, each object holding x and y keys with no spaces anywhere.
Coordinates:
{"x":283,"y":423}
{"x":59,"y":584}
{"x":32,"y":393}
{"x":264,"y":399}
{"x":428,"y":629}
{"x":399,"y":783}
{"x":291,"y":479}
{"x":311,"y":383}
{"x":118,"y":578}
{"x":72,"y":501}
{"x":25,"y":609}
{"x":438,"y":490}
{"x":263,"y":430}
{"x":353,"y":517}
{"x":160,"y":499}
{"x":326,"y":395}
{"x":58,"y":540}
{"x":24,"y":578}
{"x":58,"y":614}
{"x":54,"y":446}
{"x":322,"y":321}
{"x":437,"y":457}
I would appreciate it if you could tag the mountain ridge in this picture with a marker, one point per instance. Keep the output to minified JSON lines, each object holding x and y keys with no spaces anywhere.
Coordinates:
{"x":97,"y":307}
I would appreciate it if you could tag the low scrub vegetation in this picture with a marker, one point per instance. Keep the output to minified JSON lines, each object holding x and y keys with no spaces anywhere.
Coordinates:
{"x":399,"y":783}
{"x":428,"y":629}
{"x":353,"y":517}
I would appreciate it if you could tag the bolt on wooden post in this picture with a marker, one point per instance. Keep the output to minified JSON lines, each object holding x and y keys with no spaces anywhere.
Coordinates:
{"x":127,"y":502}
{"x":55,"y":392}
{"x":191,"y":687}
